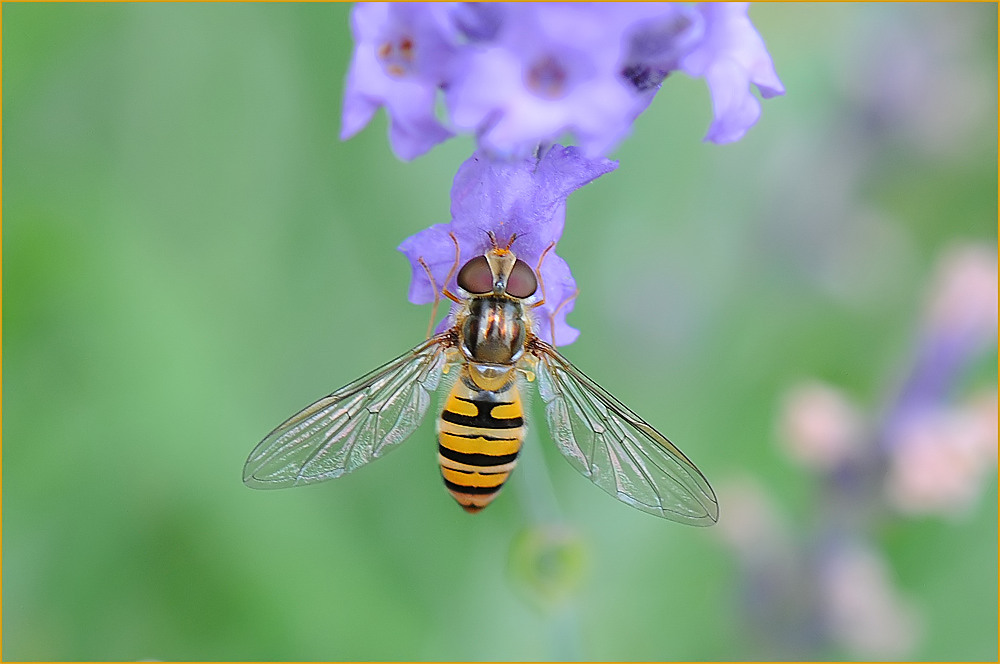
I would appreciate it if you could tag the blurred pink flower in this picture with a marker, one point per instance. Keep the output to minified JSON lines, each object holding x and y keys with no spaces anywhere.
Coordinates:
{"x":963,"y":296}
{"x":864,"y":612}
{"x":939,"y":453}
{"x":818,"y":426}
{"x":941,"y":458}
{"x":754,"y":528}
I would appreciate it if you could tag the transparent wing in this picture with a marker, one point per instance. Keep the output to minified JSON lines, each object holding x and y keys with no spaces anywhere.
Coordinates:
{"x":359,"y":422}
{"x":616,"y":449}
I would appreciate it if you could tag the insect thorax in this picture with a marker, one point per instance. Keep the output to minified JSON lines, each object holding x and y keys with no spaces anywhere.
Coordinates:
{"x":494,"y":330}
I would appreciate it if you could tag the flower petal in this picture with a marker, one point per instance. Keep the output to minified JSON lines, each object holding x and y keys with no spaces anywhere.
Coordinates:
{"x":731,"y":56}
{"x":551,"y":69}
{"x":400,"y":58}
{"x":526,"y":199}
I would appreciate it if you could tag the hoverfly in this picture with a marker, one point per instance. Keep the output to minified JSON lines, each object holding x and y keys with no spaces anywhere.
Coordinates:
{"x":490,"y":352}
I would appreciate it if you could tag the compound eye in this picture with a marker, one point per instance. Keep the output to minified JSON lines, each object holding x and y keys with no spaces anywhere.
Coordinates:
{"x":521,"y":283}
{"x":476,"y":276}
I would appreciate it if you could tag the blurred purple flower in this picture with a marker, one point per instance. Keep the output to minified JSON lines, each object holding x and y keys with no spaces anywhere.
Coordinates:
{"x":928,"y":453}
{"x":527,"y":198}
{"x":864,"y":611}
{"x":523,"y":75}
{"x":833,"y":589}
{"x":959,"y":323}
{"x":940,"y":452}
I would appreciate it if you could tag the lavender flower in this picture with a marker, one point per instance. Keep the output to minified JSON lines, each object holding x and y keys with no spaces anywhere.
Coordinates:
{"x":550,"y":69}
{"x":526,"y":198}
{"x":523,"y":75}
{"x":401,"y":55}
{"x":926,"y":454}
{"x":836,"y":590}
{"x":940,"y":452}
{"x":731,"y":56}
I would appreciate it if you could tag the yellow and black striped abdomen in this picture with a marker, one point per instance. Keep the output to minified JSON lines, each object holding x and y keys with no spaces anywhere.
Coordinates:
{"x":479,"y":436}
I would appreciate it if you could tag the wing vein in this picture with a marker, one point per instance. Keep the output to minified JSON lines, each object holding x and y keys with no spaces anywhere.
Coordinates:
{"x":344,"y":430}
{"x":621,"y":453}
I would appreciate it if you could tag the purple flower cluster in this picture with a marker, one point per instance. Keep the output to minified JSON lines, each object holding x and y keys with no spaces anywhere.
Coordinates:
{"x":935,"y":451}
{"x":930,"y":450}
{"x":520,"y":75}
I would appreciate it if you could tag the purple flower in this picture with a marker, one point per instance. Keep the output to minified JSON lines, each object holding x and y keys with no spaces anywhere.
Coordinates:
{"x":655,"y":43}
{"x":526,"y":198}
{"x":523,"y":75}
{"x":401,"y":56}
{"x":550,"y":69}
{"x":731,"y":56}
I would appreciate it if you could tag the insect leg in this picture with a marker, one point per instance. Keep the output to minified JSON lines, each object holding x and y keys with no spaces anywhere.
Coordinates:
{"x":552,"y":316}
{"x":437,"y":296}
{"x":538,"y":273}
{"x":451,"y":273}
{"x":443,"y":290}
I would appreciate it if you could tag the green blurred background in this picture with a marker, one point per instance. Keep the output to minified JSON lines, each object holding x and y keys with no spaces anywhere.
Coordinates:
{"x":191,"y":254}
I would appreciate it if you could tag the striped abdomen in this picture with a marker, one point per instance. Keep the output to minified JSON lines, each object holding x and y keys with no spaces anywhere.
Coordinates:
{"x":479,"y":436}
